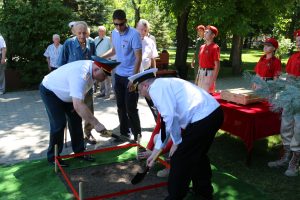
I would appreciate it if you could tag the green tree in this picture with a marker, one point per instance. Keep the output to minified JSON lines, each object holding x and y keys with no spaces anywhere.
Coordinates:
{"x":28,"y":27}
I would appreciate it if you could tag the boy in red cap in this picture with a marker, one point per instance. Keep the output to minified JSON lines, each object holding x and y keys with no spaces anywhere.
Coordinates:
{"x":268,"y":66}
{"x":209,"y":61}
{"x":199,"y":42}
{"x":290,"y":123}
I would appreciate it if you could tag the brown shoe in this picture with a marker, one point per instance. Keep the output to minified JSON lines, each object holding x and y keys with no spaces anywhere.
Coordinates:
{"x":89,"y":138}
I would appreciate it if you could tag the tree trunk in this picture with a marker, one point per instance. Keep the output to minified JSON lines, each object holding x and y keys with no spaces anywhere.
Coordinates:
{"x":137,"y":12}
{"x":236,"y":55}
{"x":182,"y":43}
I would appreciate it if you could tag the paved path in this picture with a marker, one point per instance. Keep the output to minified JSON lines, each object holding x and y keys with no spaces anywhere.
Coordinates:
{"x":24,"y":128}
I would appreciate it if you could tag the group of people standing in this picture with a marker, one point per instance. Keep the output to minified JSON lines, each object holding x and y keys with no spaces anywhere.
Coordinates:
{"x":188,"y":115}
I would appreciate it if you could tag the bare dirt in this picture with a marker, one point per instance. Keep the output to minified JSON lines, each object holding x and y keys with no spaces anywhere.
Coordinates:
{"x":112,"y":178}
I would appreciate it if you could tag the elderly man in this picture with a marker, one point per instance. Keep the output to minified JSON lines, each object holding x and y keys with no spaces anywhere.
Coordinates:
{"x":2,"y":65}
{"x":52,"y":53}
{"x":102,"y":45}
{"x":76,"y":48}
{"x":191,"y":117}
{"x":63,"y":92}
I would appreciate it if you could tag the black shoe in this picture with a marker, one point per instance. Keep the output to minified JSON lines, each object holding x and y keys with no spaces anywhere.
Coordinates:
{"x":61,"y":162}
{"x":86,"y":158}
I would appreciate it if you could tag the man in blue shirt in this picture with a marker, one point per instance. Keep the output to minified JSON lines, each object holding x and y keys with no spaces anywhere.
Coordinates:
{"x":127,"y":46}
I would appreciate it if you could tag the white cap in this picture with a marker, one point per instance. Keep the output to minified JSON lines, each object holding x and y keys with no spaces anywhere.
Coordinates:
{"x":140,"y":77}
{"x":71,"y":24}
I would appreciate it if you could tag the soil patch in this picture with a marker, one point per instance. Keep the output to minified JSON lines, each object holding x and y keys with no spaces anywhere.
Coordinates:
{"x":116,"y":177}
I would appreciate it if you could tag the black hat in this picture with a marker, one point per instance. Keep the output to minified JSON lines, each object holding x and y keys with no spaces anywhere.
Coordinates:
{"x":106,"y":65}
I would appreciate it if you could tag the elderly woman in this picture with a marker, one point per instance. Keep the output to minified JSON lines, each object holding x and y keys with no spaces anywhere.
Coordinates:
{"x":80,"y":48}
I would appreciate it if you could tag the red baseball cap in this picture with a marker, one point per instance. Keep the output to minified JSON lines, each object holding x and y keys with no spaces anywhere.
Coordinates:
{"x":297,"y":33}
{"x":271,"y":41}
{"x":213,"y":29}
{"x":200,"y":27}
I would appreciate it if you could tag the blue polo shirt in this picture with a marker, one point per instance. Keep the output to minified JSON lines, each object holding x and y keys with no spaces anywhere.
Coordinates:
{"x":125,"y":45}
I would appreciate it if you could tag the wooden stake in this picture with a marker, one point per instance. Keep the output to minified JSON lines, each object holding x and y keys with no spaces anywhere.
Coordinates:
{"x":55,"y":156}
{"x":138,"y":147}
{"x":80,"y":191}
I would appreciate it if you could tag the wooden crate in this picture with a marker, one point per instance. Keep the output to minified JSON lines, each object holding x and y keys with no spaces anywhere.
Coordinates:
{"x":240,"y":96}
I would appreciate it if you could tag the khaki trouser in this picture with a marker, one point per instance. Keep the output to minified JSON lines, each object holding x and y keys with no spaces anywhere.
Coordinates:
{"x":205,"y":80}
{"x":88,"y":100}
{"x":2,"y":77}
{"x":290,"y":130}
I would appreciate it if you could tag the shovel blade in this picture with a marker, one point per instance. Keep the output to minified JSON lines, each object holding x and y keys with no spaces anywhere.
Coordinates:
{"x":139,"y":177}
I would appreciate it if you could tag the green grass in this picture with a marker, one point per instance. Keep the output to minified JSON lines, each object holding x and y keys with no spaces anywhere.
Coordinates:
{"x":37,"y":180}
{"x":229,"y":154}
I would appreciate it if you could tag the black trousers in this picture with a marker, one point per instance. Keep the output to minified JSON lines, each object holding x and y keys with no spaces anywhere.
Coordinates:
{"x":127,"y":107}
{"x":190,"y":161}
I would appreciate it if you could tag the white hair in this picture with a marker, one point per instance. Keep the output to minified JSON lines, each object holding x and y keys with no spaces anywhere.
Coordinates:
{"x":145,"y":23}
{"x":55,"y":36}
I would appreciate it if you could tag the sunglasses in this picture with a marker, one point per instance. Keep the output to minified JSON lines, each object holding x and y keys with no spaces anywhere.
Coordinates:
{"x":120,"y":24}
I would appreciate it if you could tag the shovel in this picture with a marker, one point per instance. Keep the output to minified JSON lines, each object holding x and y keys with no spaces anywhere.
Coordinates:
{"x":140,"y":176}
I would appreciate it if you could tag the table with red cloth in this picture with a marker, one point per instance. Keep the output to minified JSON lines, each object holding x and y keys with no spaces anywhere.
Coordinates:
{"x":249,"y":122}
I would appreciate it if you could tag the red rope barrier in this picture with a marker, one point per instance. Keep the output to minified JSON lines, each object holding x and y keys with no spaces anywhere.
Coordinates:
{"x":105,"y":150}
{"x":148,"y":187}
{"x":67,"y":179}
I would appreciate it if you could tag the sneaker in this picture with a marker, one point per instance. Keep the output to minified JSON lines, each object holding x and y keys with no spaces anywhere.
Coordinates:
{"x":61,"y":162}
{"x":282,"y":162}
{"x":88,"y":158}
{"x":293,"y":169}
{"x":163,"y":173}
{"x":89,"y":138}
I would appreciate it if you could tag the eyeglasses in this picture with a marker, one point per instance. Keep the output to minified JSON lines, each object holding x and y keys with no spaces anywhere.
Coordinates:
{"x":120,"y":24}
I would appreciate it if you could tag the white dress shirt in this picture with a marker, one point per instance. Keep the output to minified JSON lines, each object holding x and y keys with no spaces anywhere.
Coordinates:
{"x":179,"y":103}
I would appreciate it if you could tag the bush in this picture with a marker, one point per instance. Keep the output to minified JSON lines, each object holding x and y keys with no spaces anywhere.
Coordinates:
{"x":28,"y":27}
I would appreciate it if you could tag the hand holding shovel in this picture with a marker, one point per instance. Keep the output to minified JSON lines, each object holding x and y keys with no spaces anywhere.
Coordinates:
{"x":140,"y":176}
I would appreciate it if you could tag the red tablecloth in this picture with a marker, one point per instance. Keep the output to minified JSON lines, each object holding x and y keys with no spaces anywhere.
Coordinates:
{"x":249,"y":122}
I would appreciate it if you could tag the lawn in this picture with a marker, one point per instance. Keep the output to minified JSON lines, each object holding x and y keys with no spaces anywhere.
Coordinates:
{"x":249,"y":59}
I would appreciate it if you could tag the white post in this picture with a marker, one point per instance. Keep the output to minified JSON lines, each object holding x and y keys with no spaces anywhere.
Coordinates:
{"x":80,"y":191}
{"x":55,"y":156}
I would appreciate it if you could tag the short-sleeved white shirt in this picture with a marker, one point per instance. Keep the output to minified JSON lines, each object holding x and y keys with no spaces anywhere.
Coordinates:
{"x":103,"y":46}
{"x":53,"y":53}
{"x":149,"y":52}
{"x":70,"y":80}
{"x":2,"y":43}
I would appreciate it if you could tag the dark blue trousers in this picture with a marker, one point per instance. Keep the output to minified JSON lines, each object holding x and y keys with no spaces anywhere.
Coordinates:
{"x":127,"y":107}
{"x":59,"y":112}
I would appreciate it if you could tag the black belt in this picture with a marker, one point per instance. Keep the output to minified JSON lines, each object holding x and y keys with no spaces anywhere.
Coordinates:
{"x":267,"y":78}
{"x":207,"y":69}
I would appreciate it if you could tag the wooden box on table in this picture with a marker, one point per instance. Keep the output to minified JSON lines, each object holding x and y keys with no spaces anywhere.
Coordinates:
{"x":240,"y":96}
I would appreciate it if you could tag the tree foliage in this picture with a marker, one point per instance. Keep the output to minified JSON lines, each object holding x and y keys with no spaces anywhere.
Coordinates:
{"x":28,"y":27}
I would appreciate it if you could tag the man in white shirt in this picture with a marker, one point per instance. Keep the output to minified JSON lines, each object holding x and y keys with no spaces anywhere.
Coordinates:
{"x":191,"y":117}
{"x":63,"y":92}
{"x":2,"y":64}
{"x":52,"y":53}
{"x":102,"y":45}
{"x":149,"y":51}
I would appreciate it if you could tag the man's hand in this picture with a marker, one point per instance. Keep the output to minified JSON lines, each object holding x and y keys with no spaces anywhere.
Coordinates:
{"x":131,"y":87}
{"x":3,"y":61}
{"x":152,"y":158}
{"x":99,"y":127}
{"x":172,"y":150}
